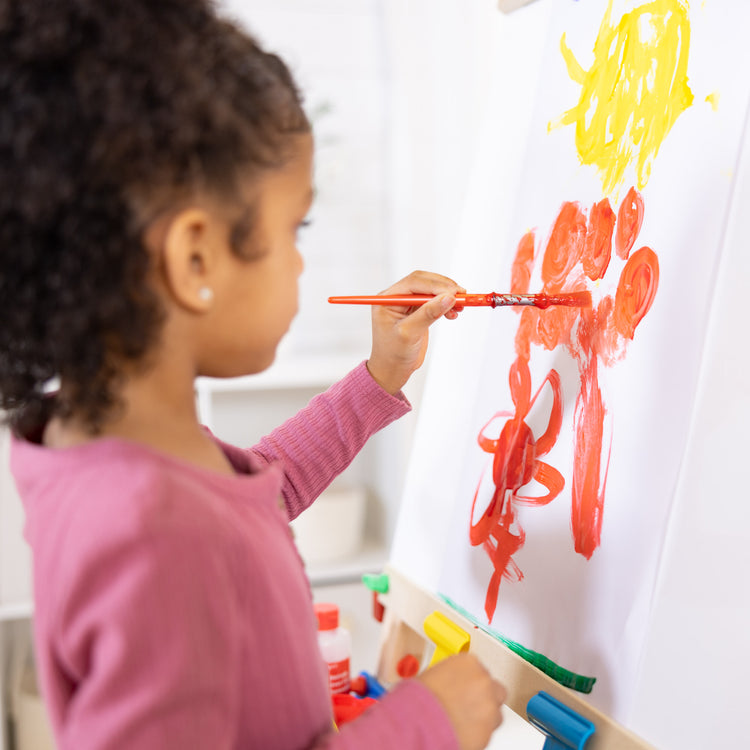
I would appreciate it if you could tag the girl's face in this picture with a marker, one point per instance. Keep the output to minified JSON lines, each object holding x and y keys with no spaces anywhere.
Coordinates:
{"x":257,"y":296}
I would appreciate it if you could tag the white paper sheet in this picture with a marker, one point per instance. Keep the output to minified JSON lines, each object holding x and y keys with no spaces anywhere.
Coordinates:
{"x":589,"y":611}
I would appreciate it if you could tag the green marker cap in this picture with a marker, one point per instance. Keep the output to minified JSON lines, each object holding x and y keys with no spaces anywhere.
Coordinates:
{"x":377,"y":583}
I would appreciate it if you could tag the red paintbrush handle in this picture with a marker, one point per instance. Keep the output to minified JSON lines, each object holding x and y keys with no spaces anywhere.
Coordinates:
{"x":403,"y":300}
{"x":572,"y":299}
{"x":414,"y":300}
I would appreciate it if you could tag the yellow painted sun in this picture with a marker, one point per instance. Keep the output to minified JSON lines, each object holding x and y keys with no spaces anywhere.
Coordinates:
{"x":633,"y":92}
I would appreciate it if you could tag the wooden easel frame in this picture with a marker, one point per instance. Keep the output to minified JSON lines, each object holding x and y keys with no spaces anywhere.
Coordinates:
{"x":407,"y":605}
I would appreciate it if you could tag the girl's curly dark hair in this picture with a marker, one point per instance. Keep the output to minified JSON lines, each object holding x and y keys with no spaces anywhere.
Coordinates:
{"x":105,"y":104}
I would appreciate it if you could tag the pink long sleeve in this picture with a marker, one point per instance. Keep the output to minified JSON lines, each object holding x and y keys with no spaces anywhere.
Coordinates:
{"x":172,"y":609}
{"x":319,"y":442}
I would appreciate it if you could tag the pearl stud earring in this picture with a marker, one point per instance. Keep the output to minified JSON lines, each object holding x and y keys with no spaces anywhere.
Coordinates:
{"x":206,"y":293}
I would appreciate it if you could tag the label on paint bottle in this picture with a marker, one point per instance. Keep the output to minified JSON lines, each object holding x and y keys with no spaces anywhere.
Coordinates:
{"x":339,"y":676}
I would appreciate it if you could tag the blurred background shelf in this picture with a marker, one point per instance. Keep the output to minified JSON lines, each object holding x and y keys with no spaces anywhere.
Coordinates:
{"x":287,"y":373}
{"x":370,"y":559}
{"x":16,"y":611}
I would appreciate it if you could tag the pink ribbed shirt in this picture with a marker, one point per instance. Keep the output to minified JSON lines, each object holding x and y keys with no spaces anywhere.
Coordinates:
{"x":172,"y":609}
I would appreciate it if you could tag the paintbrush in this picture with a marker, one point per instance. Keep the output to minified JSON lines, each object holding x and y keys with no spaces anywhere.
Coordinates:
{"x":571,"y":299}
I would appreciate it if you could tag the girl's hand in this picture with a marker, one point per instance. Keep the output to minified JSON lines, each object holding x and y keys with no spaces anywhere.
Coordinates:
{"x":400,"y":334}
{"x":470,"y":697}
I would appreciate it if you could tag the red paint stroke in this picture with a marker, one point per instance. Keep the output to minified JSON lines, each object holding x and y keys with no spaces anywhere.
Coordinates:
{"x":639,"y":281}
{"x":549,"y":328}
{"x":564,"y":247}
{"x":516,"y":462}
{"x":588,"y":487}
{"x":598,"y":248}
{"x":629,"y":221}
{"x":523,"y":263}
{"x":579,"y":251}
{"x":554,"y":327}
{"x":600,"y":337}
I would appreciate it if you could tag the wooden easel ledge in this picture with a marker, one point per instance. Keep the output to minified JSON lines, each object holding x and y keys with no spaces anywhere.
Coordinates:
{"x":406,"y":607}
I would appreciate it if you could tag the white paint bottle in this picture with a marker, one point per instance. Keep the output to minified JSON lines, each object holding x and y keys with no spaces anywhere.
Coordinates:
{"x":335,"y":646}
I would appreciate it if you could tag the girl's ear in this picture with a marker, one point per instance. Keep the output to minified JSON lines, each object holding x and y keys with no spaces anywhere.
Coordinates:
{"x":189,"y":258}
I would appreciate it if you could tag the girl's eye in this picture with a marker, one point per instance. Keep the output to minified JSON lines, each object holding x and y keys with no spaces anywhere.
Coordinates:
{"x":303,"y":225}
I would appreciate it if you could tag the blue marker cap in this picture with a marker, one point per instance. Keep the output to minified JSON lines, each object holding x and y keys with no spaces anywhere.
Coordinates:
{"x":563,"y":727}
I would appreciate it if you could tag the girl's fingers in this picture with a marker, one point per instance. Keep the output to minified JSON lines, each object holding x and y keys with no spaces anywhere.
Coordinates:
{"x":423,"y":317}
{"x":422,"y":282}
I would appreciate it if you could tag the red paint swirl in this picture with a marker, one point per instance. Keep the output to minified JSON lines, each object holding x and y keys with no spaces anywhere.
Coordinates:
{"x":598,"y":248}
{"x":564,"y":247}
{"x":629,"y":220}
{"x":639,"y":281}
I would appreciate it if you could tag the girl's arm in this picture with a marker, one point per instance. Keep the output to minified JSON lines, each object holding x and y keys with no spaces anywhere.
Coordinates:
{"x":320,"y":441}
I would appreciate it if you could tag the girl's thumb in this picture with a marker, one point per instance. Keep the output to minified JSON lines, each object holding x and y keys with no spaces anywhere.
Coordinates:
{"x":433,"y":310}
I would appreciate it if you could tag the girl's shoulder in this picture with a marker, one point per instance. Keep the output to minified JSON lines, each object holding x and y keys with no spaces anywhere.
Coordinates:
{"x":116,"y":485}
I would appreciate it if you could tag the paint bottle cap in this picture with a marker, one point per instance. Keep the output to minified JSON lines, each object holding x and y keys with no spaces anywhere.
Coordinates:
{"x":328,"y":616}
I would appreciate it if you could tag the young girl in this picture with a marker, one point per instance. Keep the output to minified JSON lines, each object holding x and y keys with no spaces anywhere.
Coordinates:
{"x":155,"y":169}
